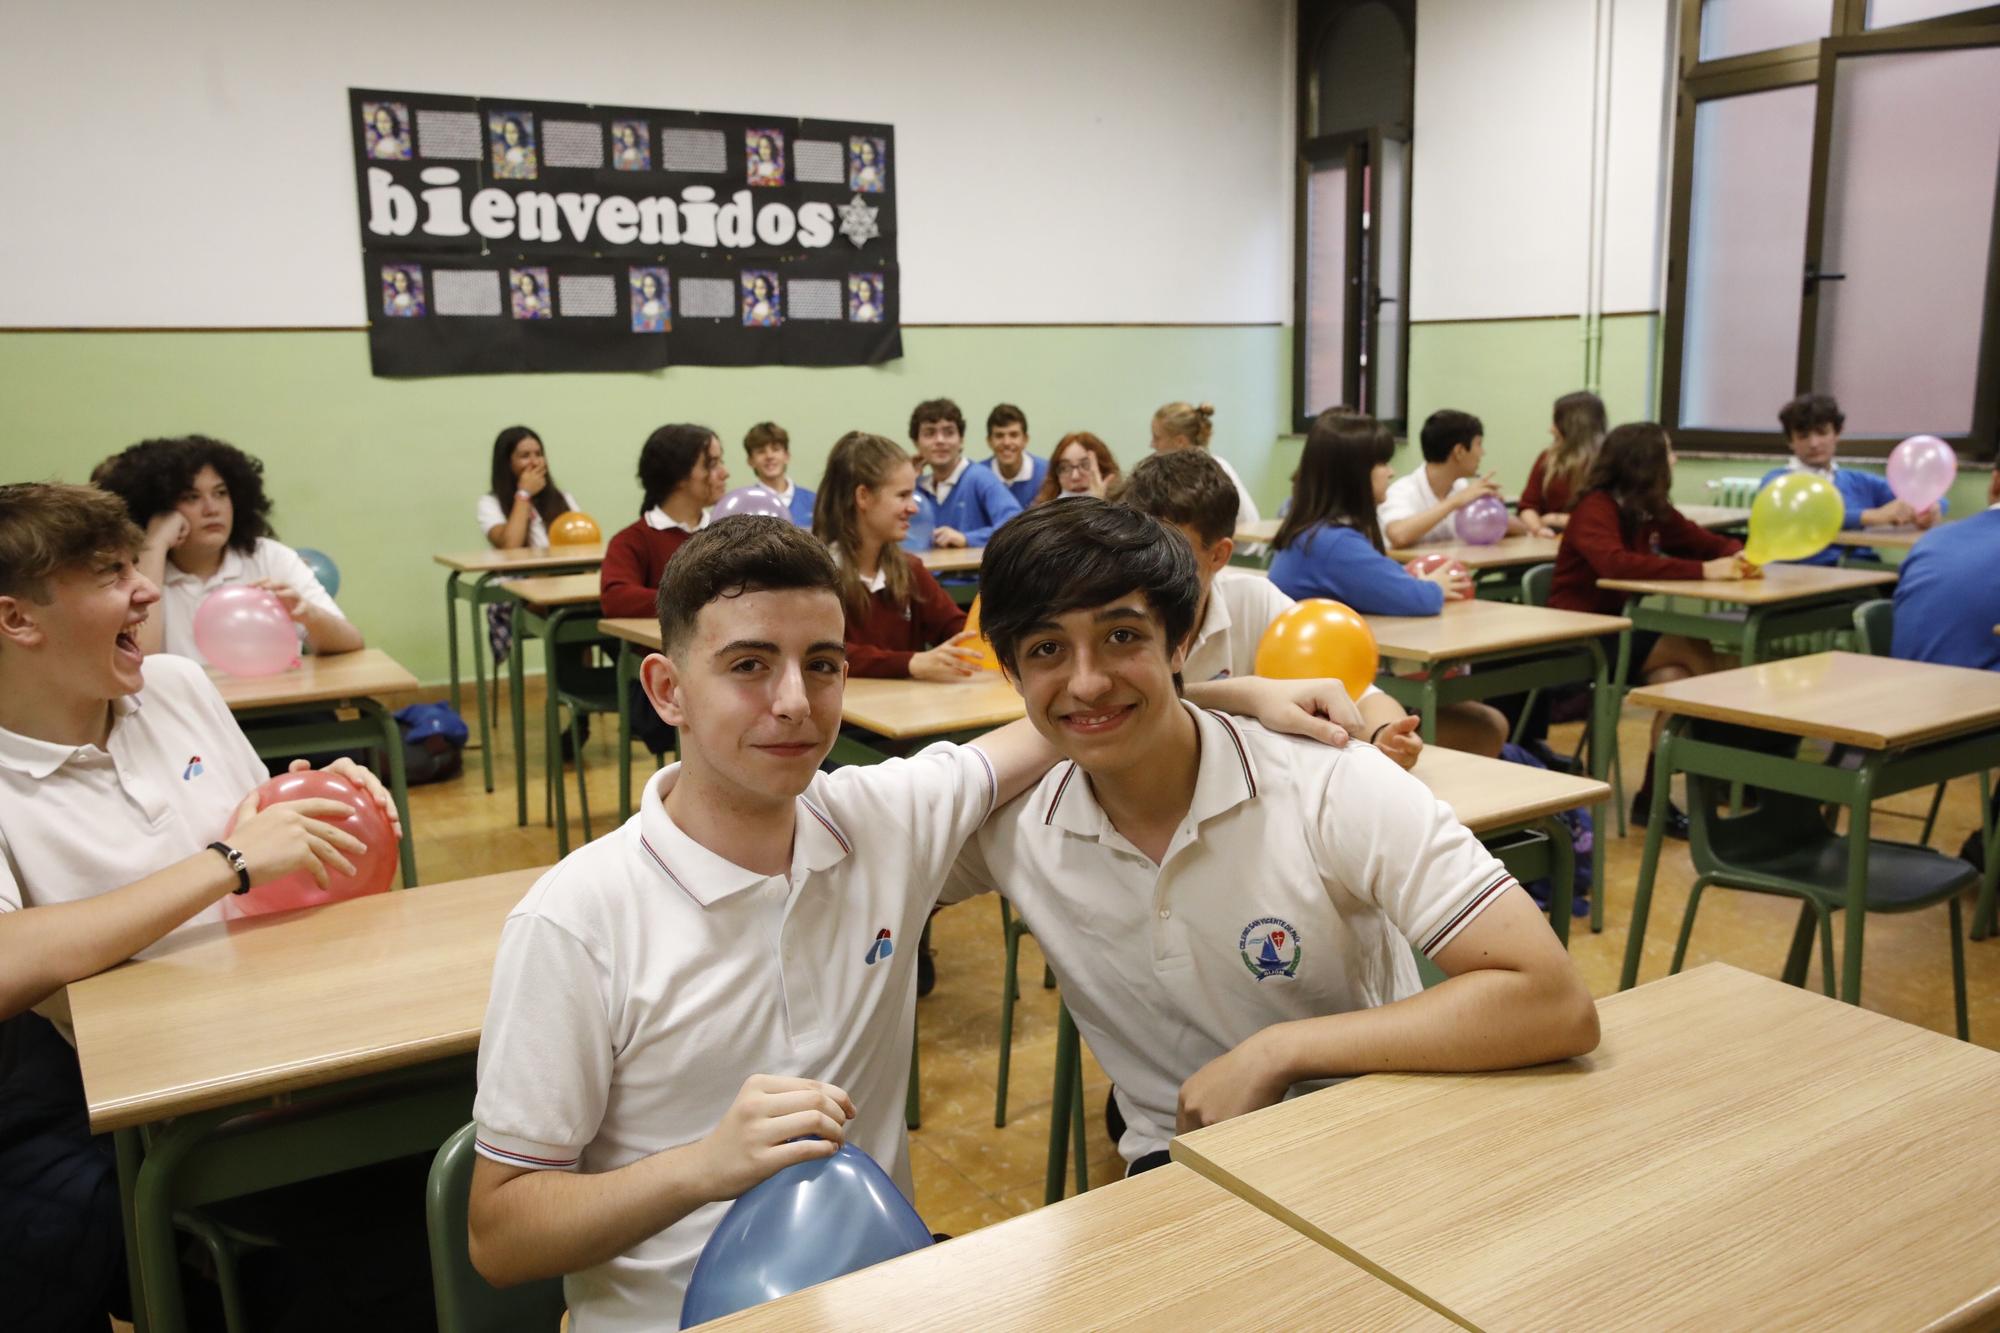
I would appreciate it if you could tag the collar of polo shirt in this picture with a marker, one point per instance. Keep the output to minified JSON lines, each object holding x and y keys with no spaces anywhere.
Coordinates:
{"x":38,"y":759}
{"x":817,"y":843}
{"x":230,"y":568}
{"x":1225,"y":777}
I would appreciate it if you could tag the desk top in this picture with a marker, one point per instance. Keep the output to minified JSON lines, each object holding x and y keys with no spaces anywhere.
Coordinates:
{"x":907,"y":709}
{"x":1163,"y":1250}
{"x":1713,"y":516}
{"x":316,"y":679}
{"x":951,"y":559}
{"x":1250,"y":533}
{"x":1506,"y":553}
{"x":642,"y":630}
{"x":1778,"y":583}
{"x":1877,"y":703}
{"x":1736,"y":1153}
{"x":1900,"y":538}
{"x":1468,"y":628}
{"x":229,"y":1012}
{"x":522,"y":559}
{"x":1489,"y":794}
{"x":555,"y":590}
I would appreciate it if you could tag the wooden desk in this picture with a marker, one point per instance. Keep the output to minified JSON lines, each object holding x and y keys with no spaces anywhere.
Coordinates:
{"x":1476,"y":629}
{"x":911,"y":709}
{"x":1506,"y":553}
{"x":1489,"y":794}
{"x":1714,"y":517}
{"x":1249,"y":534}
{"x":1163,"y":1250}
{"x":346,"y":681}
{"x":1737,"y":1153}
{"x":1785,"y":599}
{"x":485,"y":565}
{"x":1913,"y":723}
{"x":365,"y":1012}
{"x":951,"y":559}
{"x":545,"y":607}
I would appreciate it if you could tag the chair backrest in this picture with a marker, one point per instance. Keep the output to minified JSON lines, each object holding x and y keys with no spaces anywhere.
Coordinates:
{"x":1535,"y":585}
{"x":467,"y":1302}
{"x":1875,"y":624}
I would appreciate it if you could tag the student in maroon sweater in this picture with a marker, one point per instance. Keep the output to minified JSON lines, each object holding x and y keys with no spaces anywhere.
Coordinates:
{"x":1625,"y":527}
{"x":900,"y":623}
{"x":682,"y":473}
{"x":1555,"y":482}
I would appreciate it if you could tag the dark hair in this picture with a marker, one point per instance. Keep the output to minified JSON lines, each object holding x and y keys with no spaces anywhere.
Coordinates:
{"x":763,"y":433}
{"x":153,"y":475}
{"x":1078,"y":554}
{"x":1632,"y":469}
{"x":551,"y":504}
{"x":1808,"y":412}
{"x":1006,"y":414}
{"x":739,"y":554}
{"x":1334,"y":482}
{"x":1107,"y":466}
{"x":860,"y":459}
{"x":665,"y":460}
{"x":1186,"y":487}
{"x":48,"y":527}
{"x":1445,"y":430}
{"x":1579,"y":419}
{"x":935,"y":409}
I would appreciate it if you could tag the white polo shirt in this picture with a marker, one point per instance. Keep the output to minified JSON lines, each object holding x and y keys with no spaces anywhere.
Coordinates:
{"x":491,"y":516}
{"x":1411,"y":495}
{"x":1241,"y":605}
{"x":181,"y":596}
{"x":644,"y":978}
{"x":1289,"y":892}
{"x":940,"y":491}
{"x":76,"y":821}
{"x":1246,"y":507}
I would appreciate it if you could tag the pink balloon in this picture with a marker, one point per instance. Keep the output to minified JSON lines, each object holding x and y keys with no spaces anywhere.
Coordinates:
{"x":246,"y":632}
{"x":750,"y":500}
{"x":1482,"y":522}
{"x":373,"y":869}
{"x":1921,"y":470}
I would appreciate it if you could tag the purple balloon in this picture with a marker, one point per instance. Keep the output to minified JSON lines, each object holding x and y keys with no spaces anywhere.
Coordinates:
{"x":1482,"y":522}
{"x":1921,"y":470}
{"x":246,"y":631}
{"x":750,"y":500}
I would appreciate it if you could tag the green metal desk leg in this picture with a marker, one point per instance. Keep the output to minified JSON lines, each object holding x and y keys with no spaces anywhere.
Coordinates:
{"x":451,"y":634}
{"x":1649,"y":860}
{"x":1989,"y":889}
{"x":130,"y":1150}
{"x":519,"y":713}
{"x":1562,"y":875}
{"x":1427,"y":706}
{"x":1858,"y":819}
{"x":552,"y":729}
{"x":1068,"y":1068}
{"x":399,"y":783}
{"x":628,"y":670}
{"x":479,"y":651}
{"x":1604,"y":700}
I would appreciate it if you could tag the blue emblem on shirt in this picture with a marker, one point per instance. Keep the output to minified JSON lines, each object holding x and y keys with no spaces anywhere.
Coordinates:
{"x":193,"y":769}
{"x":880,"y":948}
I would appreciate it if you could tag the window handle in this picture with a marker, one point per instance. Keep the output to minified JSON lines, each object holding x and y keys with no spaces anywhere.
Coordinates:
{"x":1814,"y":277}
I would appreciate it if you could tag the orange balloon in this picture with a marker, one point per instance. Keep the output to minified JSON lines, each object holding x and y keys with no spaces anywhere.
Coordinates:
{"x":574,"y":529}
{"x":988,"y":659}
{"x":1320,"y":639}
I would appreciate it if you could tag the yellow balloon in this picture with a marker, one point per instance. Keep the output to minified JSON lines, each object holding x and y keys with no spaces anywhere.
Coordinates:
{"x":1792,"y":518}
{"x":1319,"y":639}
{"x":988,"y":660}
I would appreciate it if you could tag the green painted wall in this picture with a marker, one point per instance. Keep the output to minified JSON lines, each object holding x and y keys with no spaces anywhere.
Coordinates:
{"x":382,"y":473}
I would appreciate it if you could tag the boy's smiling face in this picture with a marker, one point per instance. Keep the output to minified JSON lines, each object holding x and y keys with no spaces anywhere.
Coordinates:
{"x":1098,"y":682}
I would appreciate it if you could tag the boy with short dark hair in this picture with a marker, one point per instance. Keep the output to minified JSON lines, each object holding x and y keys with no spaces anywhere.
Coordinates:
{"x":769,"y":448}
{"x":1419,"y":506}
{"x":1812,"y":423}
{"x":964,"y":503}
{"x":1231,"y":914}
{"x":1007,"y":436}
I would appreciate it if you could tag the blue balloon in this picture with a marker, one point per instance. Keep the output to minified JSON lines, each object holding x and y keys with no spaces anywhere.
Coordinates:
{"x":922,"y":528}
{"x":323,"y":568}
{"x":806,"y":1224}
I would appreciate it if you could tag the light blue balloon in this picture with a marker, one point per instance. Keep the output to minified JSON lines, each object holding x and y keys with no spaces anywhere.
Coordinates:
{"x":922,"y":527}
{"x":806,"y":1224}
{"x":323,"y":568}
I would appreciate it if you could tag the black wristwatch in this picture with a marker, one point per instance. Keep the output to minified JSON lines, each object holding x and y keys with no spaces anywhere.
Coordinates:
{"x":236,"y":863}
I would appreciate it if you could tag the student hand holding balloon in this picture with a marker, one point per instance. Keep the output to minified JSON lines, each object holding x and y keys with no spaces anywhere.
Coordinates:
{"x":773,"y":1123}
{"x":1457,"y":584}
{"x":293,"y":836}
{"x":294,"y":602}
{"x":363,"y":779}
{"x":954,"y":659}
{"x":1727,"y":569}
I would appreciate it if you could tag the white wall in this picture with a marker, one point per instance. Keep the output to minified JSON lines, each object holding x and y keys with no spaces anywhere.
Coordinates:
{"x":1501,"y":195}
{"x":1113,"y":161}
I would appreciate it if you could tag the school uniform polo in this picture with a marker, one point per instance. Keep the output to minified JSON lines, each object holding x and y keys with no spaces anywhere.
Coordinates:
{"x":490,"y":515}
{"x":635,"y":559}
{"x":1026,"y":482}
{"x":1241,"y":605}
{"x":1294,"y":888}
{"x":972,"y":499}
{"x":1948,"y":598}
{"x":1411,"y":495}
{"x":77,"y":821}
{"x":1246,"y":506}
{"x":644,"y":978}
{"x":798,"y":502}
{"x":181,"y":594}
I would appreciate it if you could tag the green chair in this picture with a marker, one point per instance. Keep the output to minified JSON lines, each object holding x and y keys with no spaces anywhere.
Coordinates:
{"x":466,"y":1302}
{"x":1012,"y":928}
{"x":1535,"y":586}
{"x":582,"y":688}
{"x":1065,"y":1130}
{"x":1785,"y":846}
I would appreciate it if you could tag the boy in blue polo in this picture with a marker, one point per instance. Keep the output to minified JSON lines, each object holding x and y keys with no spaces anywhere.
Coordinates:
{"x":1813,"y":422}
{"x":964,"y":503}
{"x":1019,"y":470}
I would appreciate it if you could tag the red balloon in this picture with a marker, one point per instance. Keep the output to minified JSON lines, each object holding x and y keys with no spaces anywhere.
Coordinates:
{"x":373,"y":869}
{"x":1433,"y":560}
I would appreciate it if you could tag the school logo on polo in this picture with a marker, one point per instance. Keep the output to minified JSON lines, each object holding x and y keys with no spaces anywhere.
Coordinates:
{"x":193,"y":769}
{"x":880,"y":948}
{"x":1270,"y":947}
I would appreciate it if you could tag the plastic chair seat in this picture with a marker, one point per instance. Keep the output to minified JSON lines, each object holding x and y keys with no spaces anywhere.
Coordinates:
{"x":1901,"y":877}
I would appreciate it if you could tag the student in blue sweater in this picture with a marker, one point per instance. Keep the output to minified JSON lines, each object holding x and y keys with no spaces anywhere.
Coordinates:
{"x":1007,"y":437}
{"x":1330,"y":545}
{"x":964,"y":503}
{"x":1813,"y":422}
{"x":769,"y":449}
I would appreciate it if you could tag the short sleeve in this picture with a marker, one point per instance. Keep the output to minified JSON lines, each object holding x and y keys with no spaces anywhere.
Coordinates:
{"x":545,"y":1052}
{"x":1399,"y":503}
{"x":932,"y":802}
{"x":282,"y":563}
{"x":970,"y":875}
{"x":1387,"y":840}
{"x":491,"y":515}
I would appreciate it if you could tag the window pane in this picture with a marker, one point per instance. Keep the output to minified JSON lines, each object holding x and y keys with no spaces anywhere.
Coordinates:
{"x":1888,"y":13}
{"x":1746,"y":256}
{"x":1909,"y":220}
{"x":1326,"y":286}
{"x":1738,"y":27}
{"x":1391,"y":233}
